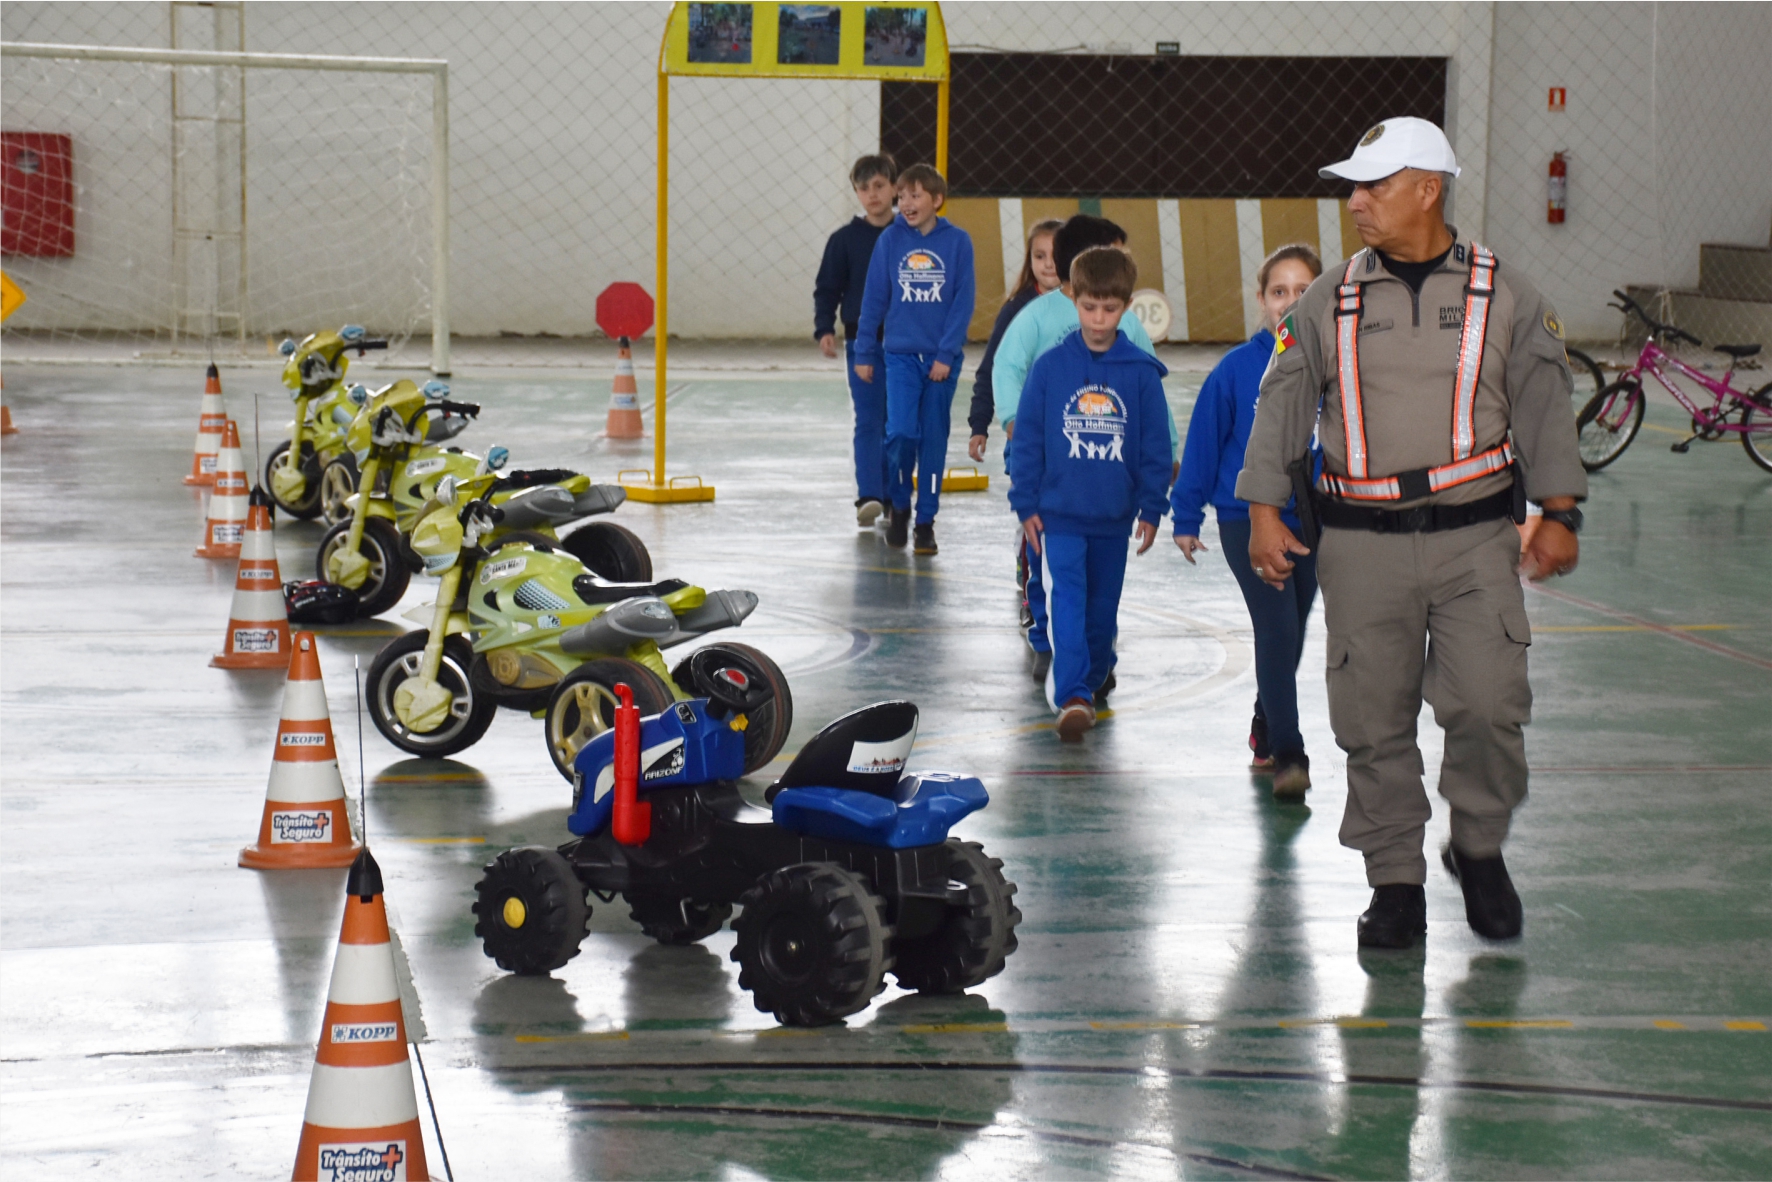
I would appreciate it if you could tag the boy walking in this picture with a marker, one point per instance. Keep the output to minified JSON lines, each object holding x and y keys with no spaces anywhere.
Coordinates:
{"x":1090,"y":456}
{"x":919,"y":293}
{"x":840,"y":278}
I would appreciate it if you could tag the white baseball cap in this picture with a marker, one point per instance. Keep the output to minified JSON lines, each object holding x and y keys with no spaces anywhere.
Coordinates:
{"x":1395,"y":144}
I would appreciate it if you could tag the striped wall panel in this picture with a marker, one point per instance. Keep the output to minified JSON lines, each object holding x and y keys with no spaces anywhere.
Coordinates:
{"x":1202,"y":253}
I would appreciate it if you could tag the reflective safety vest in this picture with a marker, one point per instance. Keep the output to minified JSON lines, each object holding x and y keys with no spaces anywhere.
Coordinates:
{"x":1359,"y":484}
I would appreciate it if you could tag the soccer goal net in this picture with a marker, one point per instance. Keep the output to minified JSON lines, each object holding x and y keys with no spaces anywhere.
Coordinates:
{"x":166,"y":202}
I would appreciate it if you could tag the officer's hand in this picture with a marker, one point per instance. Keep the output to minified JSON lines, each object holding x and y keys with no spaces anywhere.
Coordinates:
{"x":1270,"y":546}
{"x":1031,"y":530}
{"x":1189,"y":546}
{"x":975,"y":448}
{"x":865,"y":373}
{"x":1146,"y":533}
{"x":827,"y":344}
{"x":1553,"y":550}
{"x":939,"y":371}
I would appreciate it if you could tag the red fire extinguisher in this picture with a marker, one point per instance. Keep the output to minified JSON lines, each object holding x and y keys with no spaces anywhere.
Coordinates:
{"x":1559,"y":189}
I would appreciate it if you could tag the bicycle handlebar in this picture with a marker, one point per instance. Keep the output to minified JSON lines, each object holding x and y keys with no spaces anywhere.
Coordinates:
{"x":1656,"y":328}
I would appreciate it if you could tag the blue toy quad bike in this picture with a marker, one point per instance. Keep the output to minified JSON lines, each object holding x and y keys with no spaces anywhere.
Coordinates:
{"x":850,"y":875}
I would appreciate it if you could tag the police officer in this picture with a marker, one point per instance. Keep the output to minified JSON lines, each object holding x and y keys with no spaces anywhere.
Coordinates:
{"x":1443,"y":391}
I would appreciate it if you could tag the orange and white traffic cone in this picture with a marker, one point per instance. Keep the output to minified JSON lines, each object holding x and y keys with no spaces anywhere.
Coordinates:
{"x":624,"y":399}
{"x":362,"y":1115}
{"x":305,"y":825}
{"x":258,"y":622}
{"x":6,"y":427}
{"x":210,"y":422}
{"x":226,"y":524}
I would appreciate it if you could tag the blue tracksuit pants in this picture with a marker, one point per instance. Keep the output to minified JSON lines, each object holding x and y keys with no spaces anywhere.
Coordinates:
{"x":917,"y":424}
{"x":870,"y":430}
{"x":1033,"y":590}
{"x":1279,"y":618}
{"x":1083,"y":580}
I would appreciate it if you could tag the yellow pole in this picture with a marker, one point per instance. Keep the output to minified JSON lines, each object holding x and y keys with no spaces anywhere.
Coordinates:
{"x":941,"y":127}
{"x":662,"y":282}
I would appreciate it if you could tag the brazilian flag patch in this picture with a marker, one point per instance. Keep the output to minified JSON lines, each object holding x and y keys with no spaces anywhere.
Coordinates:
{"x":1284,"y":337}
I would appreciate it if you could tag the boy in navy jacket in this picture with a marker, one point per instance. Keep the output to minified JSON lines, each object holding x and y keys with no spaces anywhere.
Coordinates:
{"x":841,"y":275}
{"x":1090,"y":456}
{"x":919,"y":291}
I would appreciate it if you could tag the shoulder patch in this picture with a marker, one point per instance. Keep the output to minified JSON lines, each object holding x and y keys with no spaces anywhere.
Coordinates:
{"x":1552,"y":325}
{"x":1284,"y":337}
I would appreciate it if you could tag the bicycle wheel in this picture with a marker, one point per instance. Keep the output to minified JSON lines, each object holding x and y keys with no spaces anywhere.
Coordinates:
{"x":1756,"y":423}
{"x":1590,"y":379}
{"x":1607,"y":424}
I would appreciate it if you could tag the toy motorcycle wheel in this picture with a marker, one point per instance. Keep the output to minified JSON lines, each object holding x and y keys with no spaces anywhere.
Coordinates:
{"x":677,"y":921}
{"x":583,"y":704}
{"x":610,"y":551}
{"x":338,"y":481}
{"x":388,"y":574}
{"x":971,"y":942}
{"x":813,"y":943}
{"x":769,"y":725}
{"x":531,"y":910}
{"x":470,"y":713}
{"x":308,"y":504}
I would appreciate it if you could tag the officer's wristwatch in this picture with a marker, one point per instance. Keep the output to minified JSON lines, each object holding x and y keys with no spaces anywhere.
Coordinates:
{"x":1569,"y":519}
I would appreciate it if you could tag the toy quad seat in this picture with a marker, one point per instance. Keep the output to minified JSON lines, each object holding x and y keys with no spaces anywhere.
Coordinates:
{"x":850,"y":875}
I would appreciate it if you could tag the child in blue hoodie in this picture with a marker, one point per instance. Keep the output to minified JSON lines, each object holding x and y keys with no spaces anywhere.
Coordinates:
{"x":1217,"y":436}
{"x":1090,"y":455}
{"x":919,"y":288}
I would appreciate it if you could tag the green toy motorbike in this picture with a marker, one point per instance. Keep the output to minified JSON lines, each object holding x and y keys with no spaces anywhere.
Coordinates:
{"x":397,"y":436}
{"x":521,"y":623}
{"x":315,"y":375}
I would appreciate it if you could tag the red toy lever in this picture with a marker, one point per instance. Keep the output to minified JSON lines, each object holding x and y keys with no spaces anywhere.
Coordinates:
{"x":632,"y":820}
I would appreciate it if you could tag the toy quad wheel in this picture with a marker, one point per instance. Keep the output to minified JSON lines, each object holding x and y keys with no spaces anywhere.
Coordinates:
{"x":677,"y":921}
{"x":308,"y":505}
{"x":583,"y":704}
{"x":813,"y":943}
{"x":469,"y":715}
{"x":531,"y":910}
{"x":971,"y":942}
{"x":383,"y":549}
{"x":338,"y":481}
{"x":610,"y":551}
{"x":769,"y":724}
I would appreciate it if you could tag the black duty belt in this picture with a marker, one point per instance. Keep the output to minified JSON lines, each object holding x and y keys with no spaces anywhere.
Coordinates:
{"x":1422,"y":519}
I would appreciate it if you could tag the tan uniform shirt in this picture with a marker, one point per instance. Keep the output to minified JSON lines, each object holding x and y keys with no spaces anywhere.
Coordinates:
{"x":1408,"y":347}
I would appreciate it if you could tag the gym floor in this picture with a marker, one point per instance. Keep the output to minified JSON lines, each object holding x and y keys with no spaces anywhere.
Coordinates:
{"x":1187,"y":999}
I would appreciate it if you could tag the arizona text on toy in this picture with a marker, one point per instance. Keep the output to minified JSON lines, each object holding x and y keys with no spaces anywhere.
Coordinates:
{"x":362,"y":1114}
{"x":210,"y":422}
{"x":258,"y":622}
{"x":305,"y":825}
{"x":624,"y":398}
{"x":226,"y":524}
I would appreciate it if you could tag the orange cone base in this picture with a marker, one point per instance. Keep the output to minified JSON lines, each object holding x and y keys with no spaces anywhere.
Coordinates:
{"x":278,"y":658}
{"x":203,"y":481}
{"x":395,"y":1151}
{"x":296,"y":857}
{"x":624,"y":424}
{"x":6,"y":427}
{"x":226,"y":550}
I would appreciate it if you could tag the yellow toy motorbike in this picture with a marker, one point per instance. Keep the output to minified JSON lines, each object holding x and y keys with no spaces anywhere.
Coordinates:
{"x":315,"y":375}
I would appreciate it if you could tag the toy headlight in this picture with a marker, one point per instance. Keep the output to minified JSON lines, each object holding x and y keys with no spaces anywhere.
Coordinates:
{"x":434,"y":389}
{"x":287,"y":348}
{"x":446,"y":490}
{"x":359,"y":394}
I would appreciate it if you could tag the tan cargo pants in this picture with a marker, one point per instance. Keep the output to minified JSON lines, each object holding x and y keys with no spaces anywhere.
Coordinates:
{"x":1439,"y":616}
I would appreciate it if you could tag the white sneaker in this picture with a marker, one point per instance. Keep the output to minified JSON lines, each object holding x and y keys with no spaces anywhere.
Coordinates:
{"x":1077,"y":717}
{"x":867,"y":512}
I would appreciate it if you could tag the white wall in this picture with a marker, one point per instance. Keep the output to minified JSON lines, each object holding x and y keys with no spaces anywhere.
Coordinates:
{"x":553,"y":136}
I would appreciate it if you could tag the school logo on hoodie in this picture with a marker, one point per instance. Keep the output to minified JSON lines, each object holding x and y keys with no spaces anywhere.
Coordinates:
{"x":1095,"y":423}
{"x":921,"y":274}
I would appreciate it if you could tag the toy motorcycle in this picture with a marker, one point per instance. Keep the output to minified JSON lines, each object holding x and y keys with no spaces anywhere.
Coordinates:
{"x":520,"y":622}
{"x":315,"y":375}
{"x":397,"y":435}
{"x":849,"y":876}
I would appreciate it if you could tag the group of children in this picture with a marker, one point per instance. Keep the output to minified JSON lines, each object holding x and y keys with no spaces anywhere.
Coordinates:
{"x":1091,"y":455}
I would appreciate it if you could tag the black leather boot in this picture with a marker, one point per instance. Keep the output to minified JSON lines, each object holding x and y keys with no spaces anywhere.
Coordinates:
{"x":1491,"y":906}
{"x":1397,"y":916}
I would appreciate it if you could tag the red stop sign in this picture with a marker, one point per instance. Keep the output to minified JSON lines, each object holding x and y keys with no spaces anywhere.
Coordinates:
{"x":624,"y":310}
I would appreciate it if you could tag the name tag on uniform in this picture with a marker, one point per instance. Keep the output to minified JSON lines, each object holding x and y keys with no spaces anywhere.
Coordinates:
{"x":1384,"y":325}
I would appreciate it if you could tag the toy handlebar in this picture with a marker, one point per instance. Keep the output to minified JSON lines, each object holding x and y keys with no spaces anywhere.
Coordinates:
{"x":363,"y":347}
{"x":470,"y":409}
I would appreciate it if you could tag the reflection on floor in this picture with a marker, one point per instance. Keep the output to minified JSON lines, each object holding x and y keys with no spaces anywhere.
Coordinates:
{"x":1187,"y":999}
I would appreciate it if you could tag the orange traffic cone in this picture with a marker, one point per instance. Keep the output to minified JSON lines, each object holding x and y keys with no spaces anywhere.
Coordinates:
{"x":6,"y":427}
{"x":362,"y":1115}
{"x":305,"y":824}
{"x":624,"y":399}
{"x":210,"y":421}
{"x":258,"y":623}
{"x":223,"y":530}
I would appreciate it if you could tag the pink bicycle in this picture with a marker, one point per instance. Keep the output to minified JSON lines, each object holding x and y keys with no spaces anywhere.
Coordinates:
{"x":1612,"y":417}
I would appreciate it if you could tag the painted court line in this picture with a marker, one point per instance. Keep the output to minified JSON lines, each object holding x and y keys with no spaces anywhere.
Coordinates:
{"x":1652,"y":626}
